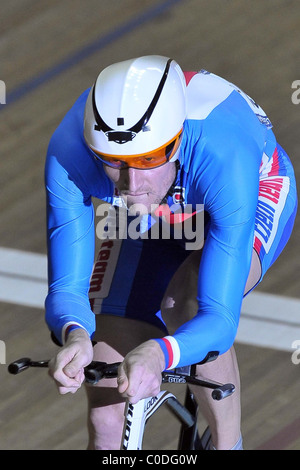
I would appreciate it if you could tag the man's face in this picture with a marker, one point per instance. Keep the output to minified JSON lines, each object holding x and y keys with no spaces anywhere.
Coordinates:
{"x":144,"y":188}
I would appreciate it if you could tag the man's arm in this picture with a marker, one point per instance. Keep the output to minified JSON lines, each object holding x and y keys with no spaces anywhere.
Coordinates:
{"x":70,"y":233}
{"x":228,"y":186}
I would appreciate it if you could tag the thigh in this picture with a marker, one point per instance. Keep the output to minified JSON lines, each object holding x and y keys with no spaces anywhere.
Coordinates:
{"x":115,"y":337}
{"x":180,"y":302}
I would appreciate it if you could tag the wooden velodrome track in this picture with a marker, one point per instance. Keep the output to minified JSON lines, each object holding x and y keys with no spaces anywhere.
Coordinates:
{"x":52,"y":50}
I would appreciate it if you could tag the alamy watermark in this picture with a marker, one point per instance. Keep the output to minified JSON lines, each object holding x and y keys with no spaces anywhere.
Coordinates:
{"x":296,"y":354}
{"x":296,"y":93}
{"x":2,"y":92}
{"x":177,"y":222}
{"x":2,"y":352}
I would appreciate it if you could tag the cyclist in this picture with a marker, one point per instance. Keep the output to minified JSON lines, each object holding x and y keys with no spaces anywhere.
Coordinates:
{"x":152,"y":141}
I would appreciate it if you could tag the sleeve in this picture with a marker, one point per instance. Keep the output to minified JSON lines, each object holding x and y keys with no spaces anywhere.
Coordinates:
{"x":70,"y":236}
{"x":228,"y":179}
{"x":72,"y":177}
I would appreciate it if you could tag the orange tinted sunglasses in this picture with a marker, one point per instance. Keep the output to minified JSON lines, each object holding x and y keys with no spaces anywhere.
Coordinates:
{"x":143,"y":161}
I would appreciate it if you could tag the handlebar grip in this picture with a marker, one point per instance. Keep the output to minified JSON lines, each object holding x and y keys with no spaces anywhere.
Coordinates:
{"x":92,"y":376}
{"x":19,"y":365}
{"x":223,"y":391}
{"x":98,"y":370}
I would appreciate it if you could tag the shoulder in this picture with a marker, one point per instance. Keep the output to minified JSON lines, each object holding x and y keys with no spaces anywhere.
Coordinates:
{"x":204,"y":93}
{"x":67,"y":149}
{"x":70,"y":127}
{"x":221,"y":119}
{"x":209,"y":94}
{"x":69,"y":162}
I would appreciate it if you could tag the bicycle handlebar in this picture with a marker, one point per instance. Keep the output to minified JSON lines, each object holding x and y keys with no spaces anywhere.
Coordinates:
{"x":22,"y":364}
{"x":96,"y":371}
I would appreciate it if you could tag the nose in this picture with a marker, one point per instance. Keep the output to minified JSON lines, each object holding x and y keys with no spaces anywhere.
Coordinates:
{"x":132,"y":179}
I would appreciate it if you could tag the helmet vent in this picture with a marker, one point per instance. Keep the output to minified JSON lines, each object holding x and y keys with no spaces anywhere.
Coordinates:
{"x":120,"y":137}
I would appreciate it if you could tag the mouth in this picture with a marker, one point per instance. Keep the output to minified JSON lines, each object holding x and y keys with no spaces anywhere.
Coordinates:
{"x":132,"y":194}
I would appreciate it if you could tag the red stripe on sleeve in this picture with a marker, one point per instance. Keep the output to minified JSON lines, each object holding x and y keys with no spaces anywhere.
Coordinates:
{"x":170,"y":352}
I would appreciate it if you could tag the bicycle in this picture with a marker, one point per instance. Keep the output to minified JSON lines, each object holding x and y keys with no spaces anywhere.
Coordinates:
{"x":137,"y":416}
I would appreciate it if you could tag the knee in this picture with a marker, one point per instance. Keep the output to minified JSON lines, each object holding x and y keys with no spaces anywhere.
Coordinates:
{"x":105,"y":425}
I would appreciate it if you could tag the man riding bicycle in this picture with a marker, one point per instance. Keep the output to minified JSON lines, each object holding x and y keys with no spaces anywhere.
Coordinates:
{"x":158,"y":146}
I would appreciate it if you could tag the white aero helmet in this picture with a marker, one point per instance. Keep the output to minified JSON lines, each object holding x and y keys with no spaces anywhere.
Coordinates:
{"x":135,"y":112}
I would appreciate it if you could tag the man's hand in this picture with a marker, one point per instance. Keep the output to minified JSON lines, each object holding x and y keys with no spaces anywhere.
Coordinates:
{"x":67,"y":368}
{"x":140,"y":372}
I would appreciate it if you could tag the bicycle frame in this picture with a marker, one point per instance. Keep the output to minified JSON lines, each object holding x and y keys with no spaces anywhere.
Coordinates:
{"x":136,"y":417}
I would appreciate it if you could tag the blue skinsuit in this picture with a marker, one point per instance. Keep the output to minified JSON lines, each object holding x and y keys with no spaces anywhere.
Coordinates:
{"x":228,"y":147}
